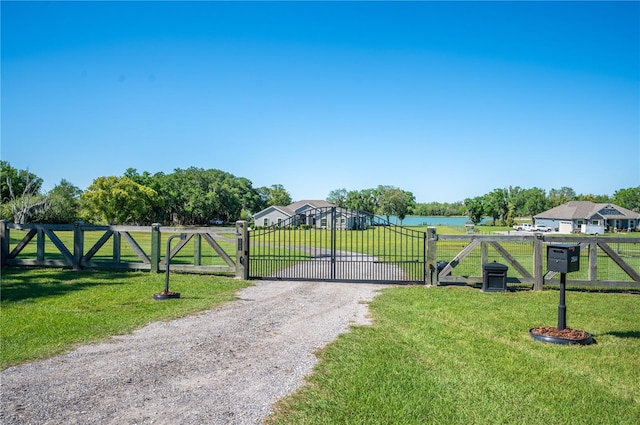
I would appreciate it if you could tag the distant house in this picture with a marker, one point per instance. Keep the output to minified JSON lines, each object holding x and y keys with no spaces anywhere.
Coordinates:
{"x":588,"y":217}
{"x":313,"y":213}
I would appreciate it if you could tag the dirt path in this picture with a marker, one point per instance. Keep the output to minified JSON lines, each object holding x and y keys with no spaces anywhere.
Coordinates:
{"x":224,"y":366}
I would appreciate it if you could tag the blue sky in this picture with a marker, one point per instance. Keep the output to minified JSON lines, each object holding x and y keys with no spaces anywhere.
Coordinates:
{"x":447,"y":100}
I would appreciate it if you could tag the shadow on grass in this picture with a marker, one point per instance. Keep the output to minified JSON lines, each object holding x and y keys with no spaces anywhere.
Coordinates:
{"x":627,"y":334}
{"x":598,"y":290}
{"x":18,"y":285}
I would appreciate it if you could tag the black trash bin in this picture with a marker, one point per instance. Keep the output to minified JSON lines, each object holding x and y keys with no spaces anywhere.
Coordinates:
{"x":494,"y":277}
{"x":441,"y":265}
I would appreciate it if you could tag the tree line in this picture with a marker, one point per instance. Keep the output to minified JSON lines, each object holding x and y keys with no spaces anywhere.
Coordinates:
{"x":503,"y":206}
{"x":193,"y":196}
{"x":196,"y":196}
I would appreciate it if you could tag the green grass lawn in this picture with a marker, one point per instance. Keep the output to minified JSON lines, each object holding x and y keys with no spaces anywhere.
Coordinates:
{"x":455,"y":355}
{"x":446,"y":355}
{"x":48,"y":311}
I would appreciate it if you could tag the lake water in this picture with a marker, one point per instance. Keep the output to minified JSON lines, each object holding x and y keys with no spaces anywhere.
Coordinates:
{"x":421,"y":220}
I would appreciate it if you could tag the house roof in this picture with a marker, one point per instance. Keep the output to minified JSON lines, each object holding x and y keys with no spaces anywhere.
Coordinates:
{"x":583,"y":210}
{"x":285,"y":210}
{"x":291,"y":209}
{"x":313,"y":203}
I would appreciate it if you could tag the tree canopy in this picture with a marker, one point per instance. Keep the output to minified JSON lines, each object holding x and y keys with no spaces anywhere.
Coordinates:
{"x":118,"y":200}
{"x":196,"y":196}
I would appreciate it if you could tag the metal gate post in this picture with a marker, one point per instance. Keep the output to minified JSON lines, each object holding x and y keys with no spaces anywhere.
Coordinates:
{"x":333,"y":243}
{"x":242,"y":250}
{"x":431,"y":277}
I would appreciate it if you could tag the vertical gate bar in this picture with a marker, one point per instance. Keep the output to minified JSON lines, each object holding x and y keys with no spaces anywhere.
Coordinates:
{"x":260,"y":246}
{"x":314,"y":243}
{"x":423,"y":257}
{"x":303,"y":242}
{"x":266,"y":251}
{"x":257,"y":245}
{"x":327,"y":244}
{"x":395,"y":247}
{"x":270,"y":248}
{"x":280,"y":251}
{"x":254,"y":259}
{"x":291,"y":254}
{"x":333,"y":243}
{"x":263,"y":247}
{"x":309,"y":243}
{"x":383,"y":246}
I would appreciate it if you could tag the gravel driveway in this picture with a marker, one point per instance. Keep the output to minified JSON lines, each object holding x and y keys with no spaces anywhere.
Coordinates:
{"x":223,"y":366}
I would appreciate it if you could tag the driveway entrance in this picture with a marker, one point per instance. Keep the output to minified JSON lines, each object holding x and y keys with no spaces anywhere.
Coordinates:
{"x":336,"y":244}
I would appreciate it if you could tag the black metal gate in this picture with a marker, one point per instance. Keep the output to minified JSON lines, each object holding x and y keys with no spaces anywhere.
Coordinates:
{"x":337,"y":244}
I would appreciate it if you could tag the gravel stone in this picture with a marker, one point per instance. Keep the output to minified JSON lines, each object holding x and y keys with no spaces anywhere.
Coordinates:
{"x":222,"y":366}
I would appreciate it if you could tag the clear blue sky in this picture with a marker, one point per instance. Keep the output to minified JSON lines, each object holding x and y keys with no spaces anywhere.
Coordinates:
{"x":447,"y":100}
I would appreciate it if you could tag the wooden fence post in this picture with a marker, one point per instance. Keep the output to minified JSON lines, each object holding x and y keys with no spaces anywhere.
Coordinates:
{"x":40,"y":244}
{"x":78,"y":244}
{"x":484,"y":257}
{"x":593,"y":261}
{"x":197,"y":249}
{"x":538,"y":275}
{"x":431,"y":257}
{"x":116,"y":239}
{"x":4,"y":241}
{"x":155,"y":248}
{"x":242,"y":250}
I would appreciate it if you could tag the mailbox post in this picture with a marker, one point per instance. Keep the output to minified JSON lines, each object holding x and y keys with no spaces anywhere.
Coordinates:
{"x":563,"y":259}
{"x":166,"y":294}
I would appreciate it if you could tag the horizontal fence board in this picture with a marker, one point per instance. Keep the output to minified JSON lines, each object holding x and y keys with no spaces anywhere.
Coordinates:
{"x":212,"y":230}
{"x":203,"y":269}
{"x":118,"y":266}
{"x":38,"y":263}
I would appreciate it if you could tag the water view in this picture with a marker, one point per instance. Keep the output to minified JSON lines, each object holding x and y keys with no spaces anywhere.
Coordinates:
{"x":422,"y":220}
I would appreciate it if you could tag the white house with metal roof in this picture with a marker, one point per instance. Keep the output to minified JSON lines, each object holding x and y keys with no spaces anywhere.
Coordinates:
{"x":588,"y":217}
{"x":313,"y":213}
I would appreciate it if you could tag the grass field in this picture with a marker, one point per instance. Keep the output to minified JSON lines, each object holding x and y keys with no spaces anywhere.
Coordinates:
{"x":44,"y":312}
{"x":444,"y":355}
{"x":460,"y":356}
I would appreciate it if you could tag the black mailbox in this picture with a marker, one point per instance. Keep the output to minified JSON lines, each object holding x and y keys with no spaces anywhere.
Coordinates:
{"x":563,"y":258}
{"x":494,"y":277}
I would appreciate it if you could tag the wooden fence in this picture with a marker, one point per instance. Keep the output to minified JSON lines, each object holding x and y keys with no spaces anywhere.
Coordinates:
{"x":79,"y":246}
{"x":605,"y":261}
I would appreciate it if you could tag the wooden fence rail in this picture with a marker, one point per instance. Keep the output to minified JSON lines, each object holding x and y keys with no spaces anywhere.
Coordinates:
{"x":82,"y":253}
